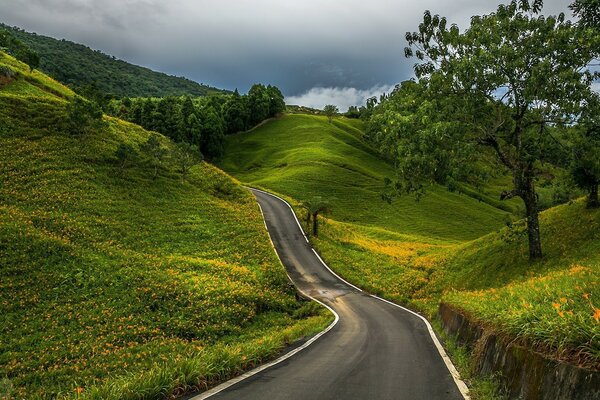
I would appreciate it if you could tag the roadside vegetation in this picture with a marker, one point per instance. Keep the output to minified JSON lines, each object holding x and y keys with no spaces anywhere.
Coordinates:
{"x":448,"y":246}
{"x":124,"y":276}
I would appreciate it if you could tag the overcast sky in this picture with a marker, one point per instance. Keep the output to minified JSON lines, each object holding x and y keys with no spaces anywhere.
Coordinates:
{"x":316,"y":51}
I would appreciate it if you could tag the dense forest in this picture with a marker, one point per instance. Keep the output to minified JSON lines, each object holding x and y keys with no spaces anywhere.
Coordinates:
{"x":93,"y":73}
{"x":202,"y":121}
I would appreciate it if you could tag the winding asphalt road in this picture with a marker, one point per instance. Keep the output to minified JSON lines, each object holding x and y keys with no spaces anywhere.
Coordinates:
{"x":376,"y":350}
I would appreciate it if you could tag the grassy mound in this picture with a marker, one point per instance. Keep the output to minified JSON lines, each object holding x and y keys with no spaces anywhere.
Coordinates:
{"x":448,"y":247}
{"x":303,"y":156}
{"x":116,"y":285}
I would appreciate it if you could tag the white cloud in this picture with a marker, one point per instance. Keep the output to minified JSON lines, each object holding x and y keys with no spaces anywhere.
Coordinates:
{"x":345,"y":97}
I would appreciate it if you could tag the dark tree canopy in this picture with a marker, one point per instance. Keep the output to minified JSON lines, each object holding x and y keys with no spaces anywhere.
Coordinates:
{"x":18,"y":49}
{"x":588,"y":12}
{"x":202,"y":121}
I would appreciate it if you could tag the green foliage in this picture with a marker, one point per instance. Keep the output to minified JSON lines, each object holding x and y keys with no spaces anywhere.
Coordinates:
{"x":18,"y":49}
{"x":212,"y":134}
{"x":304,"y":156}
{"x":154,"y":151}
{"x":264,"y":102}
{"x":125,"y":154}
{"x":353,"y":112}
{"x":84,"y":116}
{"x":421,"y":253}
{"x":83,"y":68}
{"x":119,"y":286}
{"x":506,"y":79}
{"x":588,"y":12}
{"x":330,"y":111}
{"x":186,"y":155}
{"x":200,"y":121}
{"x":409,"y":128}
{"x":315,"y":206}
{"x":585,"y":165}
{"x":235,"y":113}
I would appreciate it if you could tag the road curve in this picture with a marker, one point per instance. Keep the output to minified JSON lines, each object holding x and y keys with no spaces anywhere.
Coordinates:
{"x":375,"y":351}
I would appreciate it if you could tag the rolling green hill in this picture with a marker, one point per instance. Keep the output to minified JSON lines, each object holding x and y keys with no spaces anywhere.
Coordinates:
{"x":303,"y":156}
{"x":80,"y":67}
{"x":117,"y":285}
{"x":447,"y":247}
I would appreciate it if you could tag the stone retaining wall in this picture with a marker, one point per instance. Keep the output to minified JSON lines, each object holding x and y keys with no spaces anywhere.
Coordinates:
{"x":525,"y":374}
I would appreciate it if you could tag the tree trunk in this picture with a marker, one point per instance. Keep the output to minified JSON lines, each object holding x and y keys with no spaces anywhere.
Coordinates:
{"x":315,"y":218}
{"x":533,"y":223}
{"x":593,"y":201}
{"x":307,"y":219}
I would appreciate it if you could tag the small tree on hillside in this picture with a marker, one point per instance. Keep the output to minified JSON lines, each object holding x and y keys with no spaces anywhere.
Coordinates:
{"x":186,"y":155}
{"x":124,"y":154}
{"x":83,"y":116}
{"x":330,"y":111}
{"x":314,"y":207}
{"x":154,"y":151}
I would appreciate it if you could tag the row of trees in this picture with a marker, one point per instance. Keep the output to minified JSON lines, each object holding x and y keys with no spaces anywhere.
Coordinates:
{"x":515,"y":87}
{"x":155,"y":153}
{"x":202,"y":121}
{"x":18,"y":49}
{"x":184,"y":155}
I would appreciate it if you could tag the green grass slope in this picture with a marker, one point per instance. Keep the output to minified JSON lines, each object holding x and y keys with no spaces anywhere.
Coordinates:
{"x":447,"y":247}
{"x":303,"y":156}
{"x":114,"y":285}
{"x":78,"y":66}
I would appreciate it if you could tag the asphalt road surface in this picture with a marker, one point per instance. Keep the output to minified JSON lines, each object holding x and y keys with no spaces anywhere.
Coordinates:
{"x":375,"y":351}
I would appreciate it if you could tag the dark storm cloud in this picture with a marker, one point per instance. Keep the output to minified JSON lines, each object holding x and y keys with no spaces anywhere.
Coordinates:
{"x":340,"y":45}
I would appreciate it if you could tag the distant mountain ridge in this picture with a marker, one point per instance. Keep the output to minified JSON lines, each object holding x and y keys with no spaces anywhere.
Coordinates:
{"x":81,"y":67}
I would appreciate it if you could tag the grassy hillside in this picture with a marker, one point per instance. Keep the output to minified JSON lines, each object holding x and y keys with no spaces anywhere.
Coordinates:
{"x":79,"y":66}
{"x":303,"y":156}
{"x":447,"y":247}
{"x":115,"y":285}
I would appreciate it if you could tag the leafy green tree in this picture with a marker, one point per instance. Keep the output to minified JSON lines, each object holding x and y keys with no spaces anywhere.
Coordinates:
{"x":154,"y":151}
{"x":330,"y":111}
{"x":18,"y":49}
{"x":410,"y":130}
{"x":276,"y":101}
{"x":186,"y":155}
{"x":315,"y":206}
{"x":235,"y":113}
{"x":352,"y":112}
{"x":586,"y":152}
{"x":193,"y":130}
{"x":212,"y":138}
{"x":147,"y":115}
{"x":83,"y":116}
{"x":512,"y":74}
{"x":125,"y":154}
{"x":259,"y":104}
{"x":588,"y":12}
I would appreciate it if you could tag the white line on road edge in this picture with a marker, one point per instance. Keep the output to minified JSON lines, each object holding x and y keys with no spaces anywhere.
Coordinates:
{"x":462,"y":387}
{"x":231,"y":382}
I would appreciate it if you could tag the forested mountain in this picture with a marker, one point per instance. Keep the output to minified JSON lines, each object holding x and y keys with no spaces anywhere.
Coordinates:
{"x":88,"y":70}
